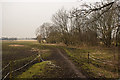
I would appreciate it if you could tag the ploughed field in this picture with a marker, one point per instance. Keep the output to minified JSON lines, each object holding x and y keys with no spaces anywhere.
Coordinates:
{"x":16,"y":54}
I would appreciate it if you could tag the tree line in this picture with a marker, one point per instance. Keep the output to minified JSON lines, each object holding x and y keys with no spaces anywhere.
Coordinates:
{"x":92,"y":24}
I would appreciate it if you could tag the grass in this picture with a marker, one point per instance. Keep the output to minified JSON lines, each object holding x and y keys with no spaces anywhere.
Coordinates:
{"x":79,"y":56}
{"x":41,"y":70}
{"x":105,"y":64}
{"x":94,"y":69}
{"x":96,"y":72}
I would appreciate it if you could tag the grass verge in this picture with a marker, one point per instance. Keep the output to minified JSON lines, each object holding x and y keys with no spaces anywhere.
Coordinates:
{"x":44,"y":69}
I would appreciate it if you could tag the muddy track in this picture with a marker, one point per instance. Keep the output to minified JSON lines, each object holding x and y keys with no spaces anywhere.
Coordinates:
{"x":72,"y":66}
{"x":69,"y":70}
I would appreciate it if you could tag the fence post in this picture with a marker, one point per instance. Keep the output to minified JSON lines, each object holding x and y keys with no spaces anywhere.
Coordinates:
{"x":10,"y":69}
{"x":88,"y":58}
{"x":114,"y":62}
{"x":39,"y":57}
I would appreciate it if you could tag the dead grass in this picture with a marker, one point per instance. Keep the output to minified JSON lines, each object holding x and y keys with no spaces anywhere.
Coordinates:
{"x":59,"y":44}
{"x":38,"y":50}
{"x":26,"y":40}
{"x":47,"y":50}
{"x":17,"y":45}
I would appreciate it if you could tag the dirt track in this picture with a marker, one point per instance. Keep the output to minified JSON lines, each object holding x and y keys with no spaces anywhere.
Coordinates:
{"x":69,"y":70}
{"x":71,"y":65}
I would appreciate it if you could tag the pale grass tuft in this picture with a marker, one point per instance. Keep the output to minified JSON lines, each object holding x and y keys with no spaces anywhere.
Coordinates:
{"x":17,"y":45}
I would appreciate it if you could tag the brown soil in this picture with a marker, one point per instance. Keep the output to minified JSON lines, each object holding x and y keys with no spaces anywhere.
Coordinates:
{"x":71,"y":65}
{"x":69,"y":70}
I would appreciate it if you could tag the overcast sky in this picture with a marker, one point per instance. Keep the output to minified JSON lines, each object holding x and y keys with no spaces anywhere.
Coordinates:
{"x":21,"y":18}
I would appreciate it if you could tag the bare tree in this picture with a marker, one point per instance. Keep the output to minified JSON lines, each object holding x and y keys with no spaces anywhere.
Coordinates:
{"x":43,"y":31}
{"x":106,"y":24}
{"x":98,"y":21}
{"x":60,"y":20}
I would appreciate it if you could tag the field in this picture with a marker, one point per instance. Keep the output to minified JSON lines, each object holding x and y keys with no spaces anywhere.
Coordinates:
{"x":45,"y":61}
{"x":95,"y":63}
{"x":19,"y":53}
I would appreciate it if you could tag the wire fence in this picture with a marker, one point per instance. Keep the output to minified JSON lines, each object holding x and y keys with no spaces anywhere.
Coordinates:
{"x":98,"y":60}
{"x":91,"y":57}
{"x":8,"y":65}
{"x":5,"y":67}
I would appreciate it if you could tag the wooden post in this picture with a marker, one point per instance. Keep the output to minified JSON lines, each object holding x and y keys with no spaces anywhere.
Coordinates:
{"x":88,"y":58}
{"x":119,"y":32}
{"x":39,"y":58}
{"x":114,"y":61}
{"x":10,"y":69}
